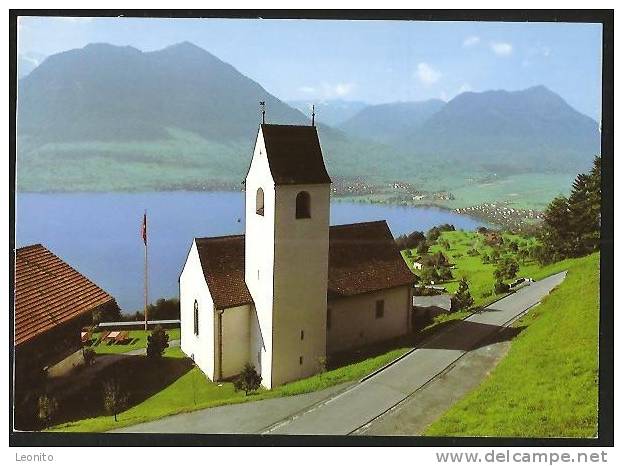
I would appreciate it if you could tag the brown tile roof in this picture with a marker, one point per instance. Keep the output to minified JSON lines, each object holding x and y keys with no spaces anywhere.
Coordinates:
{"x":363,"y":257}
{"x":49,"y":292}
{"x":294,"y":154}
{"x":222,"y":261}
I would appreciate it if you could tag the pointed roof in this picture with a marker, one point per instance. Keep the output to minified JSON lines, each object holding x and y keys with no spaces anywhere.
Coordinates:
{"x":49,"y":292}
{"x":294,"y":154}
{"x":222,"y":261}
{"x":363,"y":257}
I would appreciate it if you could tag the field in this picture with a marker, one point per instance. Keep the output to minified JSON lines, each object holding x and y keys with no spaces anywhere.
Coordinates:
{"x":547,"y":385}
{"x":480,"y":276}
{"x":183,"y":160}
{"x":137,"y":340}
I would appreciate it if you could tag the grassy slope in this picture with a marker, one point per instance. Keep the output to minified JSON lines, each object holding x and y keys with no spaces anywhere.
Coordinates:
{"x":138,"y":340}
{"x":479,"y":275}
{"x":194,"y":391}
{"x":547,"y":385}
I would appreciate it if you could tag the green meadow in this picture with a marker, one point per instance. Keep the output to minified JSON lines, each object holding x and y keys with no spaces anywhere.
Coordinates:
{"x":547,"y":385}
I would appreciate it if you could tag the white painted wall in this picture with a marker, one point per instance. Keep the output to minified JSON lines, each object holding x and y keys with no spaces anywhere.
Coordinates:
{"x":193,"y":286}
{"x":354,"y":323}
{"x":235,"y":327}
{"x":259,"y":256}
{"x":300,"y":283}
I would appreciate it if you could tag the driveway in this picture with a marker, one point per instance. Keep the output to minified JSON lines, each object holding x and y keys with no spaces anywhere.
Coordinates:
{"x":345,"y":410}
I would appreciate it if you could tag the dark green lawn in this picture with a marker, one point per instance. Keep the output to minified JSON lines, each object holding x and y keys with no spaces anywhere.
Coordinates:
{"x":137,"y":340}
{"x":547,"y":385}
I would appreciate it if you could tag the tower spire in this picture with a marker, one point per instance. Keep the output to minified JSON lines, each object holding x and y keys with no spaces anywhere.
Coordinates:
{"x":313,"y":115}
{"x":263,"y":107}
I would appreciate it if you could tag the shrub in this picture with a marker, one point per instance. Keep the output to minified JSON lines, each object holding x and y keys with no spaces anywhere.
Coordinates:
{"x":115,"y":397}
{"x":89,"y":356}
{"x":462,"y":299}
{"x":445,"y":273}
{"x":47,"y":408}
{"x":501,"y":287}
{"x":248,"y":380}
{"x":157,"y":342}
{"x":506,"y":269}
{"x":472,"y":252}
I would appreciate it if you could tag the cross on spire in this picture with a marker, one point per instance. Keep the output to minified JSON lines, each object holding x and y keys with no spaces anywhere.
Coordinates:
{"x":263,"y":107}
{"x":313,"y":115}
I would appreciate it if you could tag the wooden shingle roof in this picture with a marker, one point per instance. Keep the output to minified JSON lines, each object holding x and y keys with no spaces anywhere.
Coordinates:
{"x":49,"y":292}
{"x":363,"y":257}
{"x":294,"y":154}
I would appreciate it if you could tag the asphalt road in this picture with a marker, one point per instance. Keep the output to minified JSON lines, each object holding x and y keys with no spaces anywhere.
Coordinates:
{"x":345,"y":410}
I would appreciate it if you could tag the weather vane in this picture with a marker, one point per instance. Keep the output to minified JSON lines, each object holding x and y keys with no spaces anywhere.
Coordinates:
{"x":263,"y":107}
{"x":313,"y":114}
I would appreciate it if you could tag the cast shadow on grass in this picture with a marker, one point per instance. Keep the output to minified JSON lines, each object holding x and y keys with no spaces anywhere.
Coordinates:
{"x":139,"y":377}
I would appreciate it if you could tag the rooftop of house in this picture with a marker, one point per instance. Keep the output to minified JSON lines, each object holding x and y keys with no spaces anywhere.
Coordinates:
{"x":294,"y":154}
{"x":363,"y":257}
{"x":49,"y":292}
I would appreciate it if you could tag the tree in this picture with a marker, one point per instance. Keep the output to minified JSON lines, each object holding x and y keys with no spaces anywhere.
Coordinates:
{"x":108,"y":313}
{"x":445,"y":273}
{"x":507,"y":268}
{"x":423,"y":247}
{"x":429,"y":275}
{"x":47,"y":408}
{"x":164,"y":309}
{"x":585,"y":210}
{"x":248,"y":380}
{"x":157,"y":342}
{"x":462,"y":299}
{"x":115,"y":397}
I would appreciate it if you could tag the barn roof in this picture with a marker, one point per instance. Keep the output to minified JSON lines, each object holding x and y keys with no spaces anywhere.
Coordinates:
{"x":49,"y":292}
{"x":294,"y":154}
{"x":362,"y":258}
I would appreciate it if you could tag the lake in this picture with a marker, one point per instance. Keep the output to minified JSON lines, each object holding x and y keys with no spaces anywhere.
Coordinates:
{"x":99,"y":233}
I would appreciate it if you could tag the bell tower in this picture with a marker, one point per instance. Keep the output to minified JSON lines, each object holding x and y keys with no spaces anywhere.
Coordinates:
{"x":287,"y":252}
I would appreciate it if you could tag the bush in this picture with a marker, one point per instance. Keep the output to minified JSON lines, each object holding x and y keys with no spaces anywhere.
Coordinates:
{"x":115,"y":397}
{"x":248,"y":380}
{"x":506,"y":269}
{"x":47,"y":408}
{"x":462,"y":299}
{"x":501,"y":287}
{"x":445,"y":273}
{"x":423,"y":248}
{"x":157,"y":342}
{"x":472,"y":252}
{"x":89,"y":356}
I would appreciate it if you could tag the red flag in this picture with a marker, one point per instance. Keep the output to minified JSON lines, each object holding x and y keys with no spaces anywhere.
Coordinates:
{"x":144,"y":229}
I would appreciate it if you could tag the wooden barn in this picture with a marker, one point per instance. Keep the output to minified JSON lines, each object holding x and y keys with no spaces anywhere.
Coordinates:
{"x":53,"y":302}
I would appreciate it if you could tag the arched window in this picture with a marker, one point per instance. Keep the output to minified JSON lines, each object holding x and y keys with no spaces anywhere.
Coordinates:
{"x":259,"y":202}
{"x":196,"y":317}
{"x":303,"y":207}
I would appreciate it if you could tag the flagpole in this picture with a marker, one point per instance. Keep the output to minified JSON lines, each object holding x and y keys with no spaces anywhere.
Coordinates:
{"x":145,"y":241}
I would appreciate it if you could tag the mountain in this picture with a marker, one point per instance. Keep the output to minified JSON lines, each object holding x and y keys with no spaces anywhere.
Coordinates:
{"x":389,"y":122}
{"x":528,"y":130}
{"x":109,"y":93}
{"x":26,"y":62}
{"x":106,"y":117}
{"x":332,"y":112}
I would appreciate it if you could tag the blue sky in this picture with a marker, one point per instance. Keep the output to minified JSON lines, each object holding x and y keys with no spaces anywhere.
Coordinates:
{"x":371,"y":61}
